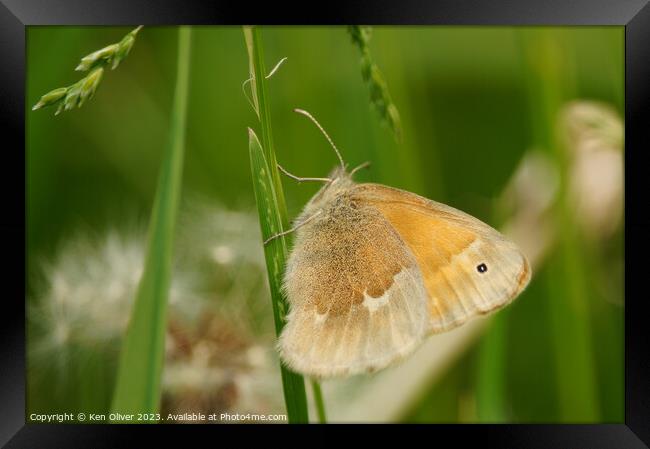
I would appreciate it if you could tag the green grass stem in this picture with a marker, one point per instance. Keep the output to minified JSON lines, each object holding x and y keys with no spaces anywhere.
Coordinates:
{"x":318,"y":400}
{"x":551,"y":82}
{"x":138,"y":387}
{"x":491,"y":385}
{"x":273,"y":216}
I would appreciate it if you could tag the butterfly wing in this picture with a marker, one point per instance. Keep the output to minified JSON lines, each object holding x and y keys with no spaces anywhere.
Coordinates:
{"x":357,"y":298}
{"x":468,"y":267}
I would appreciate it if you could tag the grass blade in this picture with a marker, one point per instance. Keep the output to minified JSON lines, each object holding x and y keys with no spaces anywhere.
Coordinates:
{"x":260,"y":99}
{"x":550,"y":83}
{"x":491,"y":386}
{"x":273,"y":215}
{"x":141,"y":359}
{"x":275,"y":253}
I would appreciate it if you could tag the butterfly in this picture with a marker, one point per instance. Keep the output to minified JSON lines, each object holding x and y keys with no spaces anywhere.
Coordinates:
{"x":374,"y":270}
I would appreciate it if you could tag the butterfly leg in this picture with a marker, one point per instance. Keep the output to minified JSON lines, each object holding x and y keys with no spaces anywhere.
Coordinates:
{"x":289,"y":231}
{"x":299,"y":179}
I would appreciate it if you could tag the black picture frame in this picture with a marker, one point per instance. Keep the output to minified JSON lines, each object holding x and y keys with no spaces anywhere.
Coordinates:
{"x":15,"y":15}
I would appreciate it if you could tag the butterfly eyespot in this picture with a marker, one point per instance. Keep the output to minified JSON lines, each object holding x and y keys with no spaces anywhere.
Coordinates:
{"x":481,"y":268}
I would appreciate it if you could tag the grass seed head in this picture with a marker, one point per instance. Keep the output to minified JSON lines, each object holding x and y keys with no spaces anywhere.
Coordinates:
{"x":67,"y":98}
{"x":380,"y":97}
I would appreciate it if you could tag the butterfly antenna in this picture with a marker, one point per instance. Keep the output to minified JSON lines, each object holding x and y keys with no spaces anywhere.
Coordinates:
{"x":360,"y":167}
{"x":308,"y":115}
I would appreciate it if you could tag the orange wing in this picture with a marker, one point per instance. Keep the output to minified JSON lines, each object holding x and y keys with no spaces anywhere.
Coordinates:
{"x":468,"y":267}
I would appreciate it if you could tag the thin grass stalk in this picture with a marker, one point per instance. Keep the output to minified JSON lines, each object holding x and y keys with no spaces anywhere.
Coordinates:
{"x":258,"y":83}
{"x":318,"y":400}
{"x":491,"y":381}
{"x":273,"y":216}
{"x":138,"y":386}
{"x":275,"y":254}
{"x":550,"y":83}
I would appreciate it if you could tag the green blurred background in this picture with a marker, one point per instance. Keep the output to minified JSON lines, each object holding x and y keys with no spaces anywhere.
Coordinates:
{"x":472,"y":101}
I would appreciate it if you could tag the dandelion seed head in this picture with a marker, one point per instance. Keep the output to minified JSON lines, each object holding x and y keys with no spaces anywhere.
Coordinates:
{"x":90,"y":285}
{"x":219,"y":367}
{"x":594,"y":136}
{"x":219,"y":342}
